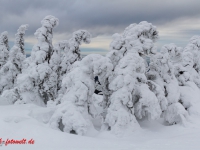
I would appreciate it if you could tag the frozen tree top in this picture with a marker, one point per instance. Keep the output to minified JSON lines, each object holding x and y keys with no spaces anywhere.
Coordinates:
{"x":194,"y":44}
{"x":76,"y":40}
{"x":143,"y":29}
{"x":50,"y":21}
{"x":3,"y":37}
{"x":136,"y":37}
{"x":19,"y":41}
{"x":195,"y":40}
{"x":82,"y":35}
{"x":22,"y":29}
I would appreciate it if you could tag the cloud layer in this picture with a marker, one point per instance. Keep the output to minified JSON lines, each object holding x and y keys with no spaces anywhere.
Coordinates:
{"x":176,"y":20}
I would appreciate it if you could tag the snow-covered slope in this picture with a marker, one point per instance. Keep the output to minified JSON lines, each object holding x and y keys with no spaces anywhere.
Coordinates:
{"x":18,"y":122}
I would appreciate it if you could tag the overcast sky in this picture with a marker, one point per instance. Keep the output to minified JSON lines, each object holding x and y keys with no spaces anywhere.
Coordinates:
{"x":176,"y":20}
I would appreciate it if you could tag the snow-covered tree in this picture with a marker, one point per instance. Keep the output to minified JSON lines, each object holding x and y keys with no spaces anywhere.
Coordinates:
{"x":4,"y":48}
{"x":194,"y":48}
{"x":185,"y":58}
{"x":38,"y":82}
{"x":190,"y":93}
{"x":130,"y":97}
{"x":162,"y":73}
{"x":70,"y":51}
{"x":139,"y":38}
{"x":42,"y":51}
{"x":76,"y":106}
{"x":173,"y":51}
{"x":13,"y":66}
{"x":188,"y":64}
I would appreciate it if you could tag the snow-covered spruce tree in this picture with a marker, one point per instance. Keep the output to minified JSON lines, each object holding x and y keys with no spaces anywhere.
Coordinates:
{"x":190,"y":93}
{"x":173,"y":51}
{"x":76,"y":107}
{"x":4,"y":48}
{"x":194,"y":47}
{"x":162,"y":73}
{"x":140,"y":36}
{"x":70,"y":53}
{"x":13,"y":66}
{"x":188,"y":64}
{"x":130,"y":95}
{"x":38,"y":82}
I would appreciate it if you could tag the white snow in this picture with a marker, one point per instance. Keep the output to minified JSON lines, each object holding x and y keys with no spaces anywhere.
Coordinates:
{"x":17,"y":123}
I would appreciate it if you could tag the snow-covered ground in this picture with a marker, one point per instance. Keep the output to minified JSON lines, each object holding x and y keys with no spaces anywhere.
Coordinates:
{"x":17,"y":122}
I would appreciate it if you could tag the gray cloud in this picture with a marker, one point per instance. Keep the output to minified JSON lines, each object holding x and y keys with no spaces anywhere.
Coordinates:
{"x":99,"y":16}
{"x":103,"y":17}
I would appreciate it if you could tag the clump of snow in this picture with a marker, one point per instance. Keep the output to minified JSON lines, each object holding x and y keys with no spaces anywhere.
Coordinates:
{"x":176,"y":113}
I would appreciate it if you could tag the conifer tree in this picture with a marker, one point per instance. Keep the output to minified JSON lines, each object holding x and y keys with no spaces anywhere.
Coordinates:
{"x":13,"y":66}
{"x":4,"y":48}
